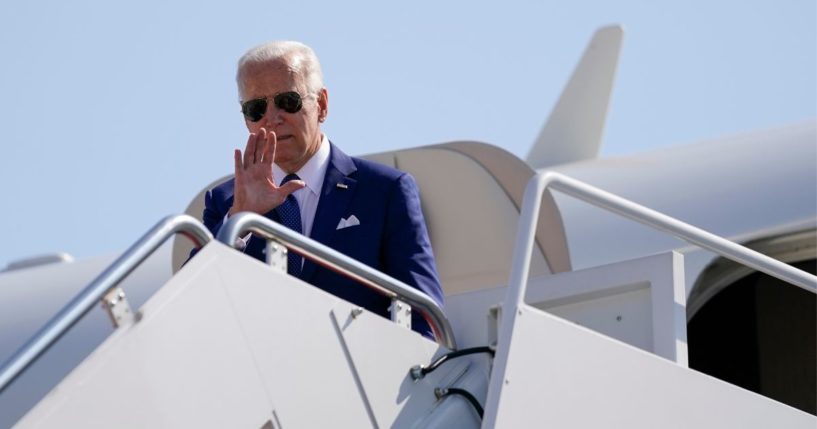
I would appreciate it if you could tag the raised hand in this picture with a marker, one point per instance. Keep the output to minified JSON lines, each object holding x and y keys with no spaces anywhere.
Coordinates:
{"x":255,"y":189}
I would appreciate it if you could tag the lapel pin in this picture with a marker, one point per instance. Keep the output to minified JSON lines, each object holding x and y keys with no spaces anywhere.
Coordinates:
{"x":342,"y":186}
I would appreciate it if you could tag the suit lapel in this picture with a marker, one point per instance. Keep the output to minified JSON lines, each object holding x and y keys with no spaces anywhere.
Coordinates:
{"x":333,"y":202}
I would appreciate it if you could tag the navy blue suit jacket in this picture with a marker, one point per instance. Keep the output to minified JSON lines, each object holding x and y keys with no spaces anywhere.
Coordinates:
{"x":392,"y":235}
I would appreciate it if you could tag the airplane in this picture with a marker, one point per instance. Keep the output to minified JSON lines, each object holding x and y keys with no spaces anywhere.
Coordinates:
{"x":736,"y":344}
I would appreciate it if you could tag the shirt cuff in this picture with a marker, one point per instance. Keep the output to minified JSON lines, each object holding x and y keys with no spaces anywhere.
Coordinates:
{"x":240,"y":242}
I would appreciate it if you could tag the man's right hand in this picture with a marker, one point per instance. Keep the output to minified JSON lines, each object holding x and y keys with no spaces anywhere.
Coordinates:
{"x":255,"y":189}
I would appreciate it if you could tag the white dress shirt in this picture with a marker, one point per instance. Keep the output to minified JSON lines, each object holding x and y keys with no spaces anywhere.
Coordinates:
{"x":312,"y":173}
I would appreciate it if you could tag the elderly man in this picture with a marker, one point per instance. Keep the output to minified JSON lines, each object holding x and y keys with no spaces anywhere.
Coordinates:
{"x":291,"y":173}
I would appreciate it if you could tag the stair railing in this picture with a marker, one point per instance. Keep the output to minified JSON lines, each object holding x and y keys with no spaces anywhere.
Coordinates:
{"x":242,"y":223}
{"x":523,"y":249}
{"x":613,"y":203}
{"x":97,"y":289}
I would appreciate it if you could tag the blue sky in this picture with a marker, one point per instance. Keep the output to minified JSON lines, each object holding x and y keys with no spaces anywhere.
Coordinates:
{"x":115,"y":115}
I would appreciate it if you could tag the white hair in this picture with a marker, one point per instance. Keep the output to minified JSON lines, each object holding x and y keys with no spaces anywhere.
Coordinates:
{"x":298,"y":57}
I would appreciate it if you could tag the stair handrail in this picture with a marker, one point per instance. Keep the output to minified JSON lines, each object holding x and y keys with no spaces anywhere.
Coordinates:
{"x":523,"y":250}
{"x":242,"y":223}
{"x":626,"y":208}
{"x":85,"y":300}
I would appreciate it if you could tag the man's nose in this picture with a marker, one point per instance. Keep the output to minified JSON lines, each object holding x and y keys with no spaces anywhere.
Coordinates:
{"x":273,"y":115}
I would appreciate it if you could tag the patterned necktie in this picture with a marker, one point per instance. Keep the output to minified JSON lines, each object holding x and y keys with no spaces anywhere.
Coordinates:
{"x":290,"y":214}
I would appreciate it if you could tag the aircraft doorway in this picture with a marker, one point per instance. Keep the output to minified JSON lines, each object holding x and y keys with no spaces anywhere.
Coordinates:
{"x":759,"y":333}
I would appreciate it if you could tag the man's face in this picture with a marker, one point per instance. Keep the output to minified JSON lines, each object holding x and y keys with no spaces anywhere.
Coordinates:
{"x":298,"y":133}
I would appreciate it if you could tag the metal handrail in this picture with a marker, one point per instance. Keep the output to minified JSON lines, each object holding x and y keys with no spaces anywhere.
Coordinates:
{"x":242,"y":223}
{"x":109,"y":279}
{"x":523,"y":250}
{"x":532,"y":202}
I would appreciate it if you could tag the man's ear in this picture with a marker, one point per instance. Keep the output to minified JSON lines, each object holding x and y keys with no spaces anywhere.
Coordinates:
{"x":323,"y":104}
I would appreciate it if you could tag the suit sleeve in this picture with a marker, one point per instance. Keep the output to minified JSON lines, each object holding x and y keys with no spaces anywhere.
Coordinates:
{"x":212,"y":217}
{"x":407,"y":254}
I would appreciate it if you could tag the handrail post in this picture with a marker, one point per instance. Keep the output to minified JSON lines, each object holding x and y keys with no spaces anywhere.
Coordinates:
{"x":88,"y":297}
{"x":392,"y":288}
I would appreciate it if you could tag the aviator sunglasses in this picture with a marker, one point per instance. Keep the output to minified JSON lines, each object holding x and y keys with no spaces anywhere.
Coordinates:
{"x":255,"y":109}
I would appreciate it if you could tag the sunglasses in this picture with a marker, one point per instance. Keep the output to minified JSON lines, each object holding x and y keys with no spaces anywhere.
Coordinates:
{"x":255,"y":109}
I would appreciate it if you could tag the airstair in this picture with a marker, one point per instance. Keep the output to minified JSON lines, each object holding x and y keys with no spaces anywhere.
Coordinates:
{"x":229,"y":341}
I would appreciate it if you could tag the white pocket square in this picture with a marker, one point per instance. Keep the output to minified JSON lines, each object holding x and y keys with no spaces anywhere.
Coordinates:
{"x":345,"y":223}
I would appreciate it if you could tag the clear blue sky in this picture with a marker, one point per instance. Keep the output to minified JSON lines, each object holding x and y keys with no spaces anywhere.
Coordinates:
{"x":114,"y":114}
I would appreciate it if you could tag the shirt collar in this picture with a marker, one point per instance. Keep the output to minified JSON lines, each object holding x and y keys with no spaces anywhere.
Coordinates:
{"x":313,"y":172}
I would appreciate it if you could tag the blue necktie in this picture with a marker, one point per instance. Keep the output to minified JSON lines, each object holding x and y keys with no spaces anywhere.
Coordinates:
{"x":290,"y":214}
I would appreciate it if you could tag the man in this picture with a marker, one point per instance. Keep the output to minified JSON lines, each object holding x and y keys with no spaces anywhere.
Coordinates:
{"x":291,"y":173}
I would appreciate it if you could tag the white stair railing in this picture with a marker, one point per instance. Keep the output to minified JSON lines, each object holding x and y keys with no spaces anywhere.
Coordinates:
{"x":523,"y":250}
{"x":383,"y":284}
{"x":94,"y":292}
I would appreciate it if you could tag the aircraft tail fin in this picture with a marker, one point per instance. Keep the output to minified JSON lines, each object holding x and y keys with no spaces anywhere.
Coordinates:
{"x":575,"y":128}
